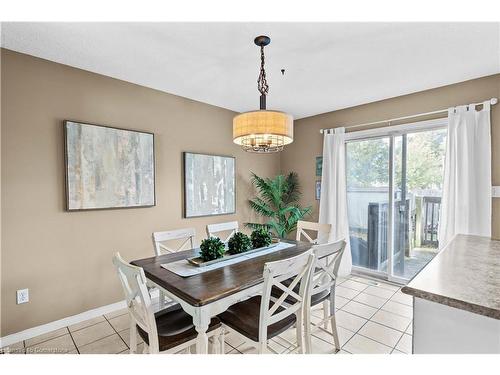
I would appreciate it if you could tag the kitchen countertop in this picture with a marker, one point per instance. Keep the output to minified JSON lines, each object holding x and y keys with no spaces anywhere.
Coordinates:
{"x":464,"y":275}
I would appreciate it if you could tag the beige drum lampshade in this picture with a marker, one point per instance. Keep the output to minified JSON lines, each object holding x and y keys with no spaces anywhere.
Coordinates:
{"x":263,"y":131}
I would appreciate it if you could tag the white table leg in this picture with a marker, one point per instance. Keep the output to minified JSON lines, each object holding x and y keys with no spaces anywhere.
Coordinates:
{"x":201,"y":321}
{"x":202,"y":340}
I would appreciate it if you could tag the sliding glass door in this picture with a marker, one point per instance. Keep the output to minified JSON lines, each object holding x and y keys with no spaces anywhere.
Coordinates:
{"x":418,"y":182}
{"x":367,"y":169}
{"x":394,"y":186}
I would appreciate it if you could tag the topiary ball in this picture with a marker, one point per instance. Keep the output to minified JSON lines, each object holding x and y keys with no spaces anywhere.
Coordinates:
{"x":261,"y":238}
{"x":212,"y":248}
{"x":239,"y":243}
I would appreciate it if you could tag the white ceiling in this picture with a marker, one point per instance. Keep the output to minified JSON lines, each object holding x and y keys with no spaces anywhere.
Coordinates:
{"x":328,"y":65}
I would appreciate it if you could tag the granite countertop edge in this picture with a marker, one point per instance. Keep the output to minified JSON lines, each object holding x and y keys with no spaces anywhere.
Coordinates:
{"x":441,"y":280}
{"x":452,"y":302}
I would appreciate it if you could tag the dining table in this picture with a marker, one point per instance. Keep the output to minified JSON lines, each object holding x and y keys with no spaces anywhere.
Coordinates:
{"x":207,"y":294}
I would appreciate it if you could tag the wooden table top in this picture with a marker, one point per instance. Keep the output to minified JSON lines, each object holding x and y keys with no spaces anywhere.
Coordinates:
{"x":202,"y":289}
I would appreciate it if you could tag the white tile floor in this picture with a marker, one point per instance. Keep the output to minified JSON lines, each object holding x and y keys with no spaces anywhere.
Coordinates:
{"x":372,"y":317}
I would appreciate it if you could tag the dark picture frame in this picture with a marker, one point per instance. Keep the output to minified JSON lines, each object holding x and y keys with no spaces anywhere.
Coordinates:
{"x":319,"y":166}
{"x":69,"y":168}
{"x":192,"y":183}
{"x":318,"y":190}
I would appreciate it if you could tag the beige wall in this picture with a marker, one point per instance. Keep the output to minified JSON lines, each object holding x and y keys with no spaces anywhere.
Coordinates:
{"x":308,"y":142}
{"x":65,"y":258}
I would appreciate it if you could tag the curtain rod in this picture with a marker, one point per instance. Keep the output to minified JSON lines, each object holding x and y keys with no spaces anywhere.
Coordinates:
{"x":493,"y":101}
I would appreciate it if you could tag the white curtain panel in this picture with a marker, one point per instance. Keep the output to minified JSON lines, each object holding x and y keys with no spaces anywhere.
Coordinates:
{"x":466,"y":202}
{"x":333,"y":200}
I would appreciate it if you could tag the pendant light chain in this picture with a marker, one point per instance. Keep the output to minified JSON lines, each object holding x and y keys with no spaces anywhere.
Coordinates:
{"x":262,"y":85}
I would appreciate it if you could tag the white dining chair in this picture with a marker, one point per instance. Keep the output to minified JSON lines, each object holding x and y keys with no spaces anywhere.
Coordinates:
{"x":322,"y":232}
{"x":214,"y":229}
{"x":321,"y":235}
{"x":322,"y":289}
{"x":187,"y":235}
{"x":168,"y":331}
{"x":261,"y":318}
{"x":187,"y":239}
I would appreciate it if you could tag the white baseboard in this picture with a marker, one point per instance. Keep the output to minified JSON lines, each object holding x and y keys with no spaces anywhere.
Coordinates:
{"x":61,"y":323}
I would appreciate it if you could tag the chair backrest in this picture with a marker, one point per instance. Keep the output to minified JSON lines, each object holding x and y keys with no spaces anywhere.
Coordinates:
{"x":187,"y":234}
{"x":322,"y":231}
{"x":137,"y":297}
{"x":231,"y":226}
{"x":328,"y":257}
{"x":300,"y":269}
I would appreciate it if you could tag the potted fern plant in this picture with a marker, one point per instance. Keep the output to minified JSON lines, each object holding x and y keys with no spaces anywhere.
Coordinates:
{"x":278,"y":202}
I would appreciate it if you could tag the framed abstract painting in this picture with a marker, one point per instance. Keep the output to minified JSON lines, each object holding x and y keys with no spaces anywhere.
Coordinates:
{"x":209,"y":185}
{"x":108,"y":167}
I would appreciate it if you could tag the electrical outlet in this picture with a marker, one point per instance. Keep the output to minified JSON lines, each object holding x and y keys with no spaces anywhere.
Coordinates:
{"x":495,"y":191}
{"x":23,"y":296}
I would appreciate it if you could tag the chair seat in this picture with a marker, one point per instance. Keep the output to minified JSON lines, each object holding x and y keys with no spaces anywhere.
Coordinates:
{"x":315,"y":298}
{"x":175,"y":327}
{"x":244,"y":317}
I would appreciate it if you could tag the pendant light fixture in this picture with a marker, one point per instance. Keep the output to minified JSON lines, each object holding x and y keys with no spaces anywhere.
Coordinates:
{"x":263,"y":131}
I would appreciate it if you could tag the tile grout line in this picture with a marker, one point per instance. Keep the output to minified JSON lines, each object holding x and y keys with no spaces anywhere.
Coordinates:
{"x":378,"y":309}
{"x":72,"y":339}
{"x":371,"y":338}
{"x":70,"y":333}
{"x":369,"y":320}
{"x":408,"y":326}
{"x":41,"y":342}
{"x":101,"y":338}
{"x":373,"y":295}
{"x":91,"y":325}
{"x":284,"y":347}
{"x":121,"y":338}
{"x":398,"y":341}
{"x":378,"y":284}
{"x":228,"y":344}
{"x":399,"y":304}
{"x":404,"y":333}
{"x":275,"y":341}
{"x":356,"y":332}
